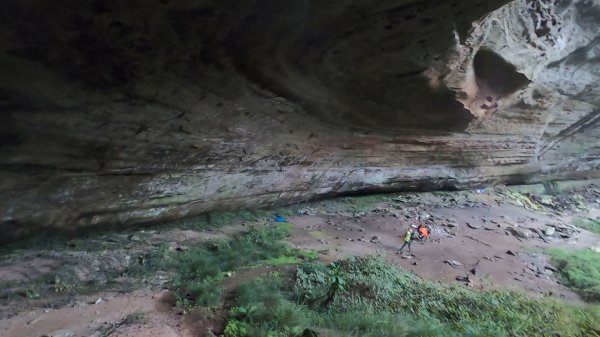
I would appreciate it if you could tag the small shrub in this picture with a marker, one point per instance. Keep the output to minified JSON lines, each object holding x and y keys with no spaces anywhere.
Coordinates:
{"x":235,"y":328}
{"x":206,"y":292}
{"x":61,"y":286}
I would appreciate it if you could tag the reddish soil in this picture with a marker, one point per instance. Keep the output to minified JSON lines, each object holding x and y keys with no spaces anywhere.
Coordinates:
{"x":483,"y":249}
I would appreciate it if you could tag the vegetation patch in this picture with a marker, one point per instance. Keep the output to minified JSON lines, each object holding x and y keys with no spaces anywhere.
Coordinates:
{"x":199,"y":269}
{"x":580,"y":269}
{"x":368,"y":297}
{"x":588,"y":224}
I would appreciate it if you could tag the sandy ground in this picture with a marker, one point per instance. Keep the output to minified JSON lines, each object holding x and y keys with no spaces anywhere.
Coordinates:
{"x":473,"y":230}
{"x":482,"y":252}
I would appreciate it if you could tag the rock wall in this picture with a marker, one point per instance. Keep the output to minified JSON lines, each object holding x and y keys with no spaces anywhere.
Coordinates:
{"x":128,"y":112}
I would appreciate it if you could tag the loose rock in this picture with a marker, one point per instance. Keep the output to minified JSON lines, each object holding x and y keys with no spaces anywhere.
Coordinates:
{"x":520,"y":233}
{"x":453,"y":263}
{"x":472,"y":226}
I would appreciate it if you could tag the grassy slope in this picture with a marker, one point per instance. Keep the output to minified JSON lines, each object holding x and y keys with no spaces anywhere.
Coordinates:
{"x":580,"y":270}
{"x":383,"y":300}
{"x":590,"y":225}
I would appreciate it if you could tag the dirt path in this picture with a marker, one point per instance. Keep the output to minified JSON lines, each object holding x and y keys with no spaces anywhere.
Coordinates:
{"x":89,"y":314}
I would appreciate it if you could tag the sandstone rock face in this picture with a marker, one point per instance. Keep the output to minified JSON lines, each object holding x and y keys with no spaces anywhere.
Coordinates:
{"x":126,"y":112}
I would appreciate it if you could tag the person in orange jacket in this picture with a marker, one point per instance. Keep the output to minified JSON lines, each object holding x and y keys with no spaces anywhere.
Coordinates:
{"x":423,"y":233}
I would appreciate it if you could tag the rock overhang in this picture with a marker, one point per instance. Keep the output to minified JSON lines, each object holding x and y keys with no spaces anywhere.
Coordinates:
{"x":124,"y":112}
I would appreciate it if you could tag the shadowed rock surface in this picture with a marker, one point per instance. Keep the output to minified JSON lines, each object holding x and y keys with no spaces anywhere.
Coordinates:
{"x":125,"y":112}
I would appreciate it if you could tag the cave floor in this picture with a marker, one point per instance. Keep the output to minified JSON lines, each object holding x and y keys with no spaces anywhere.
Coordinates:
{"x":487,"y":239}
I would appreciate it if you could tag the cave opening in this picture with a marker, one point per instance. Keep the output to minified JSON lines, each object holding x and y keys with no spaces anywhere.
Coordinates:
{"x":497,"y":77}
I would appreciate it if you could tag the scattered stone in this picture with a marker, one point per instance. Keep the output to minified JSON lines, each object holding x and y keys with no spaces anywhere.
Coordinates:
{"x":519,"y":233}
{"x":549,"y":231}
{"x":550,"y":268}
{"x":302,"y":211}
{"x":453,"y":263}
{"x":98,"y":301}
{"x":406,"y":257}
{"x":415,"y":263}
{"x":375,"y":239}
{"x":35,"y":320}
{"x":134,"y":238}
{"x":463,"y":278}
{"x":472,"y":226}
{"x":473,"y":271}
{"x":510,"y":252}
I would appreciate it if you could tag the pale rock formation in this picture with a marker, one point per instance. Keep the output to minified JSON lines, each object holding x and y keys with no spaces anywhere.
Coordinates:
{"x":129,"y":112}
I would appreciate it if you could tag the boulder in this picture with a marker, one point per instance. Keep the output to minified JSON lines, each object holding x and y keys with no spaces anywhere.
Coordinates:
{"x":520,"y":233}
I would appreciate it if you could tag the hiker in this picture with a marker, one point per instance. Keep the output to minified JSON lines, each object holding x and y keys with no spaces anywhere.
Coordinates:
{"x":423,"y":232}
{"x":408,"y":236}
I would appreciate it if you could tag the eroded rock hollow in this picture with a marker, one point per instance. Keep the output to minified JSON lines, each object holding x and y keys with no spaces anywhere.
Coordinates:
{"x":126,"y":112}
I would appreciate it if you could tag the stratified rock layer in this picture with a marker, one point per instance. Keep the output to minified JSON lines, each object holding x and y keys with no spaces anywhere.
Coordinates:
{"x":126,"y":112}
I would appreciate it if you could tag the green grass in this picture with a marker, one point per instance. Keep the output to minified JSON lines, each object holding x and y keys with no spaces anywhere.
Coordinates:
{"x":580,"y":270}
{"x":379,"y":299}
{"x":588,"y":224}
{"x":200,"y":269}
{"x":282,"y":260}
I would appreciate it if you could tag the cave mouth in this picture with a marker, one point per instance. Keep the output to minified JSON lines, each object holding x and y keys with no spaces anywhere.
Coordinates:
{"x":497,"y":77}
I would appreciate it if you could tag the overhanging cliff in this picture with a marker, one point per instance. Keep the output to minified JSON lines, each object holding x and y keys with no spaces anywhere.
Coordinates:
{"x":125,"y":112}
